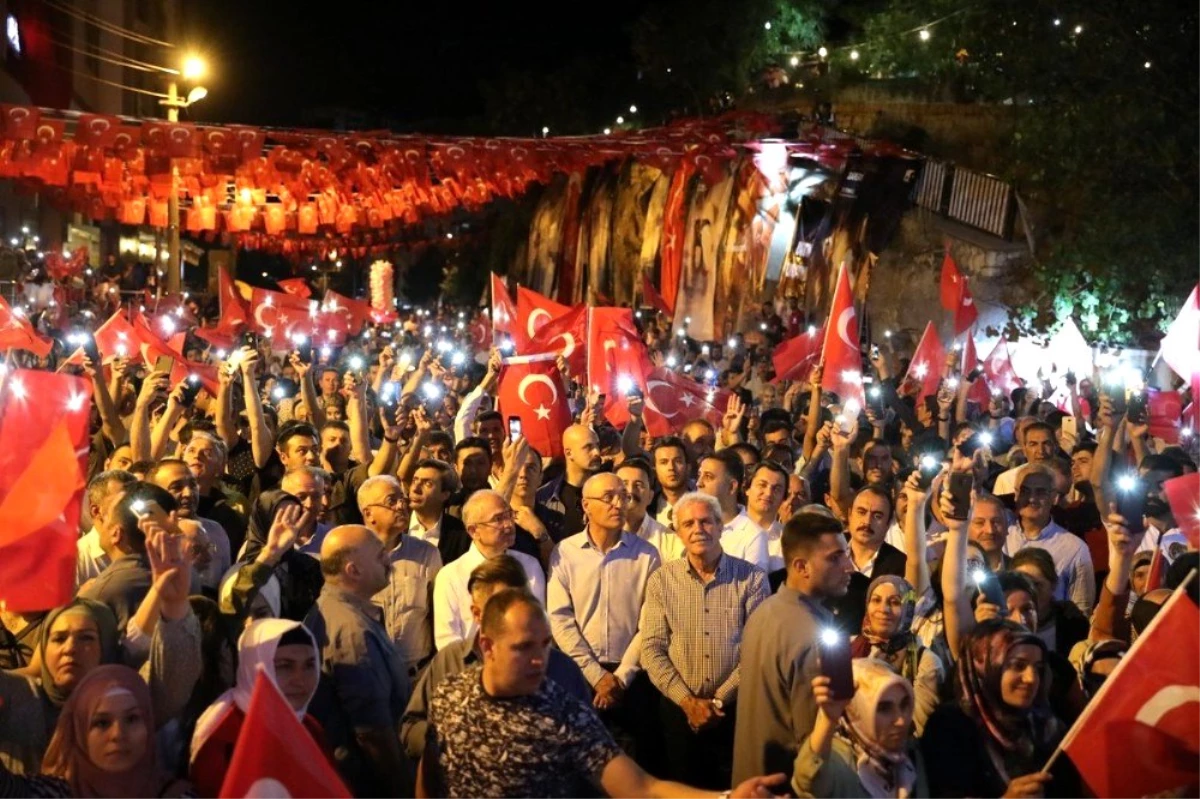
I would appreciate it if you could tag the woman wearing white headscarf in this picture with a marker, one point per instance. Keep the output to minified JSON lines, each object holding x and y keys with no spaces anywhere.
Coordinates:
{"x":862,"y":746}
{"x":286,"y":652}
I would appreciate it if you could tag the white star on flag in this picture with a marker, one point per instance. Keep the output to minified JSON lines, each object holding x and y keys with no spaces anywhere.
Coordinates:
{"x":687,"y":400}
{"x":542,"y":412}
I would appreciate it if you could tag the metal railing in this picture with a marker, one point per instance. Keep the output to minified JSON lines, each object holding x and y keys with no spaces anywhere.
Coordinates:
{"x":979,"y":200}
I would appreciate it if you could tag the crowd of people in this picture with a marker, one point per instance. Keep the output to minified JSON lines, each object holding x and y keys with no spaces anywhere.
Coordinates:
{"x":915,"y":600}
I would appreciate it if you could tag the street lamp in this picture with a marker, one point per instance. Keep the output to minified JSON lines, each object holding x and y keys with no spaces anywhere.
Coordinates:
{"x":193,"y":69}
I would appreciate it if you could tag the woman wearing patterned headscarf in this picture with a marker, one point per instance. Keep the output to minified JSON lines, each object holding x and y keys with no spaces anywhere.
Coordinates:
{"x":103,"y":744}
{"x":1000,"y":733}
{"x":863,"y":746}
{"x":887,"y":636}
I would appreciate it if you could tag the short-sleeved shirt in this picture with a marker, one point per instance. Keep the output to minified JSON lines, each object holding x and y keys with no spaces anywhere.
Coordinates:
{"x":544,"y":744}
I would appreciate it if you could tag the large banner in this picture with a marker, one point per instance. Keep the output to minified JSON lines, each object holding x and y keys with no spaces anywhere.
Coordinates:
{"x":703,"y":234}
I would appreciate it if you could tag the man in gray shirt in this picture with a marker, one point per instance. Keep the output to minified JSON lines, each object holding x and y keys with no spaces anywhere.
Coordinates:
{"x":776,"y":709}
{"x":488,"y":578}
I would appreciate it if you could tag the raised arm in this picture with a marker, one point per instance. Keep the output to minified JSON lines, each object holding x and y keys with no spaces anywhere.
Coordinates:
{"x":839,"y":474}
{"x":956,"y":599}
{"x":814,"y":411}
{"x":155,"y":385}
{"x":916,"y":567}
{"x":262,"y":442}
{"x":113,"y":428}
{"x":225,"y":413}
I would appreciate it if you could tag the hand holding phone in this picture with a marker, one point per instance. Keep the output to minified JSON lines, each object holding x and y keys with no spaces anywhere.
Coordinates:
{"x":514,"y":428}
{"x":960,"y":485}
{"x":833,"y":655}
{"x":989,"y":588}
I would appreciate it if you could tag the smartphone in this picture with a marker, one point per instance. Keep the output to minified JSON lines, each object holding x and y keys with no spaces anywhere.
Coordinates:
{"x":174,"y":547}
{"x":833,"y":657}
{"x":1131,"y":501}
{"x":249,"y":339}
{"x":960,"y":487}
{"x":989,"y":587}
{"x":304,"y":349}
{"x":875,"y":400}
{"x":634,"y":392}
{"x":514,"y":428}
{"x":191,"y":387}
{"x":1119,"y":403}
{"x":928,"y":468}
{"x":974,"y":374}
{"x":1135,"y":411}
{"x":91,"y":350}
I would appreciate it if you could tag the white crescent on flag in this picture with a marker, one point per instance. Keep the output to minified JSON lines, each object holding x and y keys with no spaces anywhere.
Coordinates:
{"x":650,"y":386}
{"x":843,"y":326}
{"x":534,"y":315}
{"x":528,"y":379}
{"x":1165,"y":700}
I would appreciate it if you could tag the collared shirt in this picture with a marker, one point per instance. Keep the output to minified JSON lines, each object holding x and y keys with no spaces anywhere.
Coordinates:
{"x":1072,"y":561}
{"x":545,"y":744}
{"x":407,"y":601}
{"x":1006,"y":482}
{"x":452,"y":602}
{"x":776,"y":709}
{"x":90,"y":559}
{"x":595,"y":600}
{"x":457,"y":658}
{"x":744,"y":539}
{"x":774,"y":535}
{"x":667,"y":542}
{"x":417,"y":530}
{"x":692,"y":630}
{"x":867,"y":568}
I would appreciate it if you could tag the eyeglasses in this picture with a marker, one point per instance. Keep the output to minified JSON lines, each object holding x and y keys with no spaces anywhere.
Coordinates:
{"x":612,"y":498}
{"x":391,"y":503}
{"x":499,"y":521}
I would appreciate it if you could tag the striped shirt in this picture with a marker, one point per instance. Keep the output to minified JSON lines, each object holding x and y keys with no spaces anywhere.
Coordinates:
{"x":692,"y":630}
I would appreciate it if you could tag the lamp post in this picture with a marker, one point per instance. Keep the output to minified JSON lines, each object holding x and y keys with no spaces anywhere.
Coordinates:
{"x":193,"y":69}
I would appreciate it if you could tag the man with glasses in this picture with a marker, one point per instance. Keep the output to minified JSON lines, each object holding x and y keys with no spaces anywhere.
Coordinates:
{"x":209,"y":543}
{"x":429,"y":492}
{"x":1036,"y":497}
{"x":413,"y":564}
{"x":594,"y":597}
{"x":493,"y":530}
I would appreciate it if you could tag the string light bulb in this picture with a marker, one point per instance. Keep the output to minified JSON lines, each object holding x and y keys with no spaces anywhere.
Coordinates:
{"x":822,"y":51}
{"x":633,"y":109}
{"x":923,"y":34}
{"x":608,"y":131}
{"x":620,"y":120}
{"x":1078,"y":29}
{"x":853,"y":55}
{"x":795,"y":61}
{"x":767,"y":25}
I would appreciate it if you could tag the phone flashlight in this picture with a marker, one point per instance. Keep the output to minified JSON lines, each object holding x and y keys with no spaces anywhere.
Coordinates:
{"x":986,"y":439}
{"x":278,"y":392}
{"x":458,"y":358}
{"x":624,"y":384}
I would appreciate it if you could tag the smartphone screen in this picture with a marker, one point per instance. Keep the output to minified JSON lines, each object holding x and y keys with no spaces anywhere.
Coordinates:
{"x":833,"y":652}
{"x":1131,"y":502}
{"x":960,"y":494}
{"x":514,"y":427}
{"x":989,"y":587}
{"x":164,"y":363}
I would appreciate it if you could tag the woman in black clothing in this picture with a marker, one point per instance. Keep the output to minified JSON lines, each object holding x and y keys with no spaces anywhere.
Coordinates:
{"x":996,"y":738}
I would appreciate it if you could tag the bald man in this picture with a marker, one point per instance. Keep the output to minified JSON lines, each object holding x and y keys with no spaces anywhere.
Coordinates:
{"x":364,"y":681}
{"x":581,"y":449}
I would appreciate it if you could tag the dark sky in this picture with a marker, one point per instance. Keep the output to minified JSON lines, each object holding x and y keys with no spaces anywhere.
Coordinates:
{"x":417,"y":63}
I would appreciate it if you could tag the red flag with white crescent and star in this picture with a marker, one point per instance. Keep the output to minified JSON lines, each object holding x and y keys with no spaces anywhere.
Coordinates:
{"x":1180,"y":347}
{"x":532,"y":388}
{"x":234,"y":315}
{"x":1001,"y":375}
{"x":795,"y":358}
{"x":978,"y":392}
{"x":951,"y":283}
{"x":565,"y":336}
{"x":1183,"y":495}
{"x":1140,"y":734}
{"x":840,"y":354}
{"x":965,"y":312}
{"x":504,"y":311}
{"x":17,"y":332}
{"x":617,"y":360}
{"x":535,"y":311}
{"x":673,"y":400}
{"x":926,"y":366}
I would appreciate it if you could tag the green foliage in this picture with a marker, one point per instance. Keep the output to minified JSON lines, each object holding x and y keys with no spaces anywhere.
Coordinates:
{"x":1102,"y":148}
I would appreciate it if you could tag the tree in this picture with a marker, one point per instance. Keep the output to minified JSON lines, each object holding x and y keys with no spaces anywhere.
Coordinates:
{"x":1103,"y":146}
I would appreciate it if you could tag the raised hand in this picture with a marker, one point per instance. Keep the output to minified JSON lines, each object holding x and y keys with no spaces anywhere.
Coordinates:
{"x":284,"y":532}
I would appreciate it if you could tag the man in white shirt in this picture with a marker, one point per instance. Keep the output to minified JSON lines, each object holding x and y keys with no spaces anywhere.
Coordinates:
{"x":721,"y":477}
{"x":671,"y":469}
{"x":489,"y":522}
{"x":1039,"y":446}
{"x":1036,"y":496}
{"x":103,"y":494}
{"x":594,"y":597}
{"x":764,"y":494}
{"x":635,"y":475}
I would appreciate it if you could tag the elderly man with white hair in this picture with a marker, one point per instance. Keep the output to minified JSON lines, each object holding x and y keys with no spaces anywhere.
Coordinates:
{"x":493,"y":530}
{"x":695,"y":610}
{"x":413,"y":565}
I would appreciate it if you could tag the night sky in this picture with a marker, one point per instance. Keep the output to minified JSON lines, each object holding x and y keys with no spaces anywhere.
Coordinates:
{"x":417,"y":64}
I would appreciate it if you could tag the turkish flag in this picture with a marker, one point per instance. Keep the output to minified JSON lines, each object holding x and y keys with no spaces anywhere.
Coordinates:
{"x":504,"y":311}
{"x":616,"y":353}
{"x":275,"y":755}
{"x":651,"y":297}
{"x":281,"y":316}
{"x":927,"y":363}
{"x":216,"y":338}
{"x":999,"y":369}
{"x":951,"y":284}
{"x":1183,"y":495}
{"x":1164,"y":414}
{"x":353,"y":314}
{"x":234,"y":315}
{"x":978,"y":392}
{"x":535,"y":311}
{"x":96,"y":130}
{"x":840,"y":353}
{"x":566,"y":336}
{"x":1140,"y":735}
{"x":117,"y":338}
{"x":673,"y":400}
{"x":674,"y":234}
{"x":297,"y":287}
{"x":1181,"y":345}
{"x":17,"y":332}
{"x":795,"y":358}
{"x":531,"y":387}
{"x":965,"y":312}
{"x":43,"y":464}
{"x":481,"y":332}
